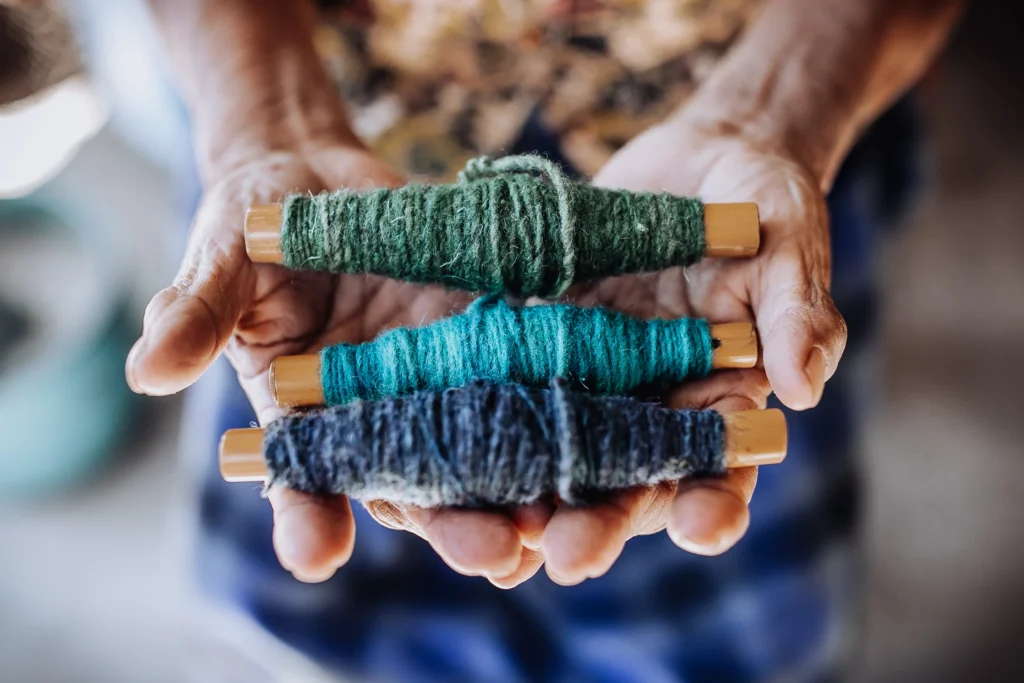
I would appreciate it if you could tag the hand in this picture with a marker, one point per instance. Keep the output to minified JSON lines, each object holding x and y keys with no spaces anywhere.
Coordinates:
{"x":784,"y":289}
{"x":221,"y":301}
{"x":576,"y":543}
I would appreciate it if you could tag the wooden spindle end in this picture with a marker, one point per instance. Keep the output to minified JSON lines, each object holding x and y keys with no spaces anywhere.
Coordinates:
{"x":731,"y":230}
{"x":295,"y":381}
{"x":755,"y":437}
{"x":241,"y":455}
{"x":263,"y":233}
{"x":737,"y":346}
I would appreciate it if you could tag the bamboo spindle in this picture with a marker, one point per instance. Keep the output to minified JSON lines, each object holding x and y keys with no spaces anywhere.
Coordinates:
{"x":752,"y":438}
{"x":296,"y":381}
{"x":730,"y":231}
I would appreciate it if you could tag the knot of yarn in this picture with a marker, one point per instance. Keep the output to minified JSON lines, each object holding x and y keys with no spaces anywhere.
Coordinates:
{"x":479,"y":167}
{"x":594,"y":349}
{"x":515,"y":225}
{"x":489,"y":444}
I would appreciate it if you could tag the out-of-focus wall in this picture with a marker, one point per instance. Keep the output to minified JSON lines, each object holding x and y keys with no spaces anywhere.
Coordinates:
{"x":946,"y":451}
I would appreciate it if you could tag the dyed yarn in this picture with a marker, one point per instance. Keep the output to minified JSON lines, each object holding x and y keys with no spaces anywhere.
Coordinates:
{"x":516,"y":226}
{"x":595,"y":349}
{"x":491,"y":444}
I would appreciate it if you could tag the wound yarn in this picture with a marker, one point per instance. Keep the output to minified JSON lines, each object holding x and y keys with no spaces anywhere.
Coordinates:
{"x":488,"y":444}
{"x":594,"y":349}
{"x":516,"y":225}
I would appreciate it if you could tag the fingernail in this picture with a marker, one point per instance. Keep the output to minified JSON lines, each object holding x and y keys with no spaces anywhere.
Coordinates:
{"x":707,"y":521}
{"x":311,"y":578}
{"x":815,"y":371}
{"x":129,"y":366}
{"x":531,"y":521}
{"x":559,"y":579}
{"x":289,"y":536}
{"x":531,"y":542}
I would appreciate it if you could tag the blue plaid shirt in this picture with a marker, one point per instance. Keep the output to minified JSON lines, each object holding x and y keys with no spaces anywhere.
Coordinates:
{"x":781,"y":605}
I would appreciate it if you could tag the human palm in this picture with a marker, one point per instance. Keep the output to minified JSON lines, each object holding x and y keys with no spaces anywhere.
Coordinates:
{"x":221,"y":301}
{"x":785,"y":289}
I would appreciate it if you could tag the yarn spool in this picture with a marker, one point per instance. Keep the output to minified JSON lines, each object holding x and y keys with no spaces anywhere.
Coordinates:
{"x":488,"y":444}
{"x":594,"y":349}
{"x":514,"y":226}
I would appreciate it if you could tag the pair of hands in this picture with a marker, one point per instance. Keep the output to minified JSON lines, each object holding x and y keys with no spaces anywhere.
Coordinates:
{"x":221,"y":301}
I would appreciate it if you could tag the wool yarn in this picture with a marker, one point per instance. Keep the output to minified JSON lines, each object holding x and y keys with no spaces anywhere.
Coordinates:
{"x":488,"y":444}
{"x":516,"y":225}
{"x":595,"y":349}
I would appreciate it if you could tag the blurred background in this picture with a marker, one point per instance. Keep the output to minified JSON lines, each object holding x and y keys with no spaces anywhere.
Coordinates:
{"x":93,"y":582}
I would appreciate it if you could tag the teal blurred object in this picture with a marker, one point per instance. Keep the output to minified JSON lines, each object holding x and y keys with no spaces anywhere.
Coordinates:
{"x":63,"y":400}
{"x":14,"y":326}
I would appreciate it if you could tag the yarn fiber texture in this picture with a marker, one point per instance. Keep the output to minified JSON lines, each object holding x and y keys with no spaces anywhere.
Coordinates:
{"x":488,"y":444}
{"x":594,"y":349}
{"x":515,"y":225}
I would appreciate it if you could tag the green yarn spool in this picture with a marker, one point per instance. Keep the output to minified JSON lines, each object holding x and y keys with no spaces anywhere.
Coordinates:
{"x":515,"y":226}
{"x":593,"y":349}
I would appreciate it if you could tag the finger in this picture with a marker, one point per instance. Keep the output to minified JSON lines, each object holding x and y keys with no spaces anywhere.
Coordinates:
{"x":261,"y":398}
{"x":187,"y":325}
{"x":529,"y":564}
{"x":531,"y":520}
{"x":472,"y":542}
{"x":708,"y":516}
{"x":313,"y":535}
{"x":584,"y":542}
{"x":724,"y":390}
{"x":801,"y":330}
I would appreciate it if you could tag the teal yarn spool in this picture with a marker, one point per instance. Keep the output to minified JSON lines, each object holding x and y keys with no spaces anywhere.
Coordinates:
{"x":515,"y":225}
{"x":593,"y":349}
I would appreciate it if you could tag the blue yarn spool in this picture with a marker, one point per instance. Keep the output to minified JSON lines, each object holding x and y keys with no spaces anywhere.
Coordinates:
{"x":487,"y":444}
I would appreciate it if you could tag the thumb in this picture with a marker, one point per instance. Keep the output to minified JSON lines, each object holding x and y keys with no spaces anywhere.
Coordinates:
{"x":187,"y":325}
{"x":802,"y":332}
